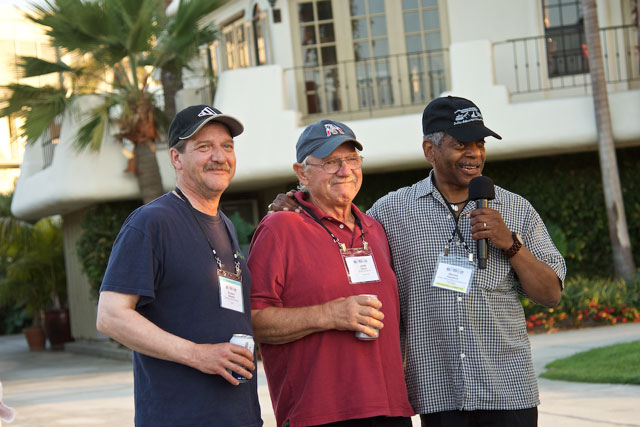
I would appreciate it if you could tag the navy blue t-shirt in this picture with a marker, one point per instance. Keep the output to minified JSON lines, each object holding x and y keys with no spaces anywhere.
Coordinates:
{"x":162,"y":255}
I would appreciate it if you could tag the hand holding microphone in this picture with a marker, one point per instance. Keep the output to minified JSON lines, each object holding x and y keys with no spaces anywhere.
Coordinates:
{"x":482,"y":189}
{"x":487,"y":224}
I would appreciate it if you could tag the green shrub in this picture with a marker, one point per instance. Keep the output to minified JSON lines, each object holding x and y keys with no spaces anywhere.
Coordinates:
{"x":99,"y":230}
{"x":244,"y":230}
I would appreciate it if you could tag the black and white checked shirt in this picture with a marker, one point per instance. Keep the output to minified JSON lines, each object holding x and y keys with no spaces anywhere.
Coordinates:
{"x":463,"y":351}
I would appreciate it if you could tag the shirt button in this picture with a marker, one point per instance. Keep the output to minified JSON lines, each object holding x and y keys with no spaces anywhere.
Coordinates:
{"x":462,"y":356}
{"x":461,"y":328}
{"x":459,"y":299}
{"x":341,"y":225}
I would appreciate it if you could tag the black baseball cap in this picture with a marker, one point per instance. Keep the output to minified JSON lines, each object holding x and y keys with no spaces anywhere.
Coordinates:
{"x":190,"y":120}
{"x":456,"y":116}
{"x":322,"y":137}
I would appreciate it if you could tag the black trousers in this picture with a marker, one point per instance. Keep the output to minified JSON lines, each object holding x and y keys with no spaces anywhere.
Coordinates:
{"x":517,"y":418}
{"x":372,"y":422}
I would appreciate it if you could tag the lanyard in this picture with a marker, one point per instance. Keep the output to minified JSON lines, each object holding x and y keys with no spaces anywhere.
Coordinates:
{"x":215,"y":254}
{"x":342,"y":246}
{"x":456,"y":230}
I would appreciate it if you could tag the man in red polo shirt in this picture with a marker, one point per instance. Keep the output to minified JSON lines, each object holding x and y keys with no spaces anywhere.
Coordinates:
{"x":322,"y":287}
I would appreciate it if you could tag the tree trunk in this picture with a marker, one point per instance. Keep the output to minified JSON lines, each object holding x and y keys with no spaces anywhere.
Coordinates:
{"x":623,"y":265}
{"x":171,"y":84}
{"x":148,"y":171}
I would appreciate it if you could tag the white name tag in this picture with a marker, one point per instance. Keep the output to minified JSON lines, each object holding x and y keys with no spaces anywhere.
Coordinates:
{"x":230,"y":292}
{"x":453,"y":273}
{"x":360,"y":266}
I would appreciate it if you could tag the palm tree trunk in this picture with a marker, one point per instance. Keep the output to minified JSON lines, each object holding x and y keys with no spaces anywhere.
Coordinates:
{"x":148,"y":171}
{"x":623,"y":265}
{"x":171,"y":84}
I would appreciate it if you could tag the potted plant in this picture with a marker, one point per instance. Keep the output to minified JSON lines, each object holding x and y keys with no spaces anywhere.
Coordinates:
{"x":32,"y":272}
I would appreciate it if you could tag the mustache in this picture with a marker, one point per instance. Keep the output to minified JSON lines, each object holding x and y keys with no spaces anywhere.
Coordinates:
{"x":215,"y":166}
{"x":337,"y":180}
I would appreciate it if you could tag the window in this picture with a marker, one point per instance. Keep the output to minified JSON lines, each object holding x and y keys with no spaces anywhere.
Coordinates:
{"x":425,"y":56}
{"x":564,"y":33}
{"x":259,"y":36}
{"x":319,"y":56}
{"x":236,"y":47}
{"x":243,"y":43}
{"x":359,"y":55}
{"x":50,"y":141}
{"x":371,"y":51}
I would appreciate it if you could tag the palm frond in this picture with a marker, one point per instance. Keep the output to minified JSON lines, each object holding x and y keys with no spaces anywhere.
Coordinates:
{"x":30,"y":66}
{"x":180,"y":41}
{"x":39,"y":106}
{"x":91,"y":132}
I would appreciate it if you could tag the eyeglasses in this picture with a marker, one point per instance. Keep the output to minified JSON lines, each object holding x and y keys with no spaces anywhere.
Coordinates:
{"x":334,"y":165}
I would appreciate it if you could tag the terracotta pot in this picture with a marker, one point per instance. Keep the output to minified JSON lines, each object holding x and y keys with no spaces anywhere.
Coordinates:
{"x":35,"y":338}
{"x":57,"y":328}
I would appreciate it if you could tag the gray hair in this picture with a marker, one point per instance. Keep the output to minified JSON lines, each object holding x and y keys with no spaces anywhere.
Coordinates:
{"x":302,"y":187}
{"x":435,"y":138}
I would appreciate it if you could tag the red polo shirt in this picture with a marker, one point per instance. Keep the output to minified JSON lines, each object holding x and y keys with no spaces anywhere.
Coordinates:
{"x":327,"y":376}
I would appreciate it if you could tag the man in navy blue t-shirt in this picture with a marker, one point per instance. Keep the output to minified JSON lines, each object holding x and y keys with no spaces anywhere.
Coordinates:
{"x":176,"y":288}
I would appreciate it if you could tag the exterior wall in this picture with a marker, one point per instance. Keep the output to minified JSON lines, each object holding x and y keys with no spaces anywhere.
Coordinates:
{"x":82,"y":305}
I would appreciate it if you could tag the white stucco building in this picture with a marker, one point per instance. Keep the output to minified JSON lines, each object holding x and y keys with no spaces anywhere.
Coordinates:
{"x":373,"y":64}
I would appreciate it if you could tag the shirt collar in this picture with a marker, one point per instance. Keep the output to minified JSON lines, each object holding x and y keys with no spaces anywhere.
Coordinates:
{"x":302,"y":196}
{"x":426,"y":187}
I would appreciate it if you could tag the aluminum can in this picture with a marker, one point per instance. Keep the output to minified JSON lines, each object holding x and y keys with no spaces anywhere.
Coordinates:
{"x":362,"y":335}
{"x":245,"y":341}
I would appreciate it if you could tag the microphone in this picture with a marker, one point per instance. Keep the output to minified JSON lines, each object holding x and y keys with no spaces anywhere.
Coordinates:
{"x":481,"y":189}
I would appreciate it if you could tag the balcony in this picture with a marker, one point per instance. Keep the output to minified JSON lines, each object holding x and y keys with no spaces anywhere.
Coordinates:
{"x":381,"y":85}
{"x":557,"y":65}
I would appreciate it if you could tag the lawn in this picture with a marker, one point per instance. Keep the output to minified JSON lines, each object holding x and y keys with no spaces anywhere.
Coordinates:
{"x":616,"y":364}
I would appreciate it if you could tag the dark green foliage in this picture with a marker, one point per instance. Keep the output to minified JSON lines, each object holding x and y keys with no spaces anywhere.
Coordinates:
{"x":99,"y":230}
{"x":244,"y":230}
{"x":567,"y":192}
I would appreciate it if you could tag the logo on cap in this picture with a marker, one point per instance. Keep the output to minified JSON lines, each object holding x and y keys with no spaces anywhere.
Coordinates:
{"x":467,"y":115}
{"x":206,"y":111}
{"x":332,"y":129}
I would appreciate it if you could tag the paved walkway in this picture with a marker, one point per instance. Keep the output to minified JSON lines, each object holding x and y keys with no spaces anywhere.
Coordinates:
{"x":63,"y":389}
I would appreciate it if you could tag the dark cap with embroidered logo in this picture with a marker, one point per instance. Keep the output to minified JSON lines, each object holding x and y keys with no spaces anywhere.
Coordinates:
{"x":322,"y":137}
{"x":190,"y":120}
{"x":456,"y":116}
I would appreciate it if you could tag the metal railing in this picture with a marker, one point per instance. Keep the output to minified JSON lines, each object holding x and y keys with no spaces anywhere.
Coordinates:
{"x":529,"y":64}
{"x":372,"y":84}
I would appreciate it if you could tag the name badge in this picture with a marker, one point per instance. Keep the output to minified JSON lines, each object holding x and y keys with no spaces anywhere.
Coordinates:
{"x":454,"y":273}
{"x":360,"y":265}
{"x":230,"y":291}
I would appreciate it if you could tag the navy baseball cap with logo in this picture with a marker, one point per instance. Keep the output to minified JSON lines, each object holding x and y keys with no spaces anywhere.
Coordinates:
{"x":456,"y":116}
{"x":190,"y":120}
{"x":322,"y":137}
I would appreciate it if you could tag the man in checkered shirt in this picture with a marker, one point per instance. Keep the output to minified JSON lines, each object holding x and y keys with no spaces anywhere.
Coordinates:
{"x":468,"y":357}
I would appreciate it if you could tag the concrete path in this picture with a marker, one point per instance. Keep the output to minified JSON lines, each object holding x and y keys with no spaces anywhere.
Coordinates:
{"x":64,"y":389}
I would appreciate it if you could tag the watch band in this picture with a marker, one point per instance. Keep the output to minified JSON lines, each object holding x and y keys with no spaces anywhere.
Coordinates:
{"x":517,"y":244}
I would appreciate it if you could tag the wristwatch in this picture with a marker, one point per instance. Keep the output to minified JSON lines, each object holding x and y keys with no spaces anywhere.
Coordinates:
{"x":517,"y":244}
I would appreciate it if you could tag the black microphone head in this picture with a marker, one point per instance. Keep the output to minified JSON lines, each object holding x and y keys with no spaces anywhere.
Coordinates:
{"x":481,"y":187}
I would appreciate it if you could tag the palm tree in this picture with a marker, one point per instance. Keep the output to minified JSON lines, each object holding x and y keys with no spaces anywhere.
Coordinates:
{"x":115,"y":46}
{"x":623,"y":264}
